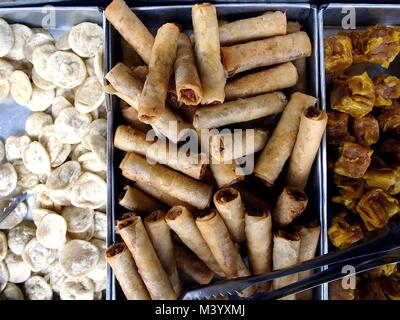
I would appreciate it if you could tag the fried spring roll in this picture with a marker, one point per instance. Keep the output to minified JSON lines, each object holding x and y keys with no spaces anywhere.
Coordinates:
{"x":149,"y":266}
{"x":128,"y":87}
{"x":293,"y":26}
{"x":152,"y":99}
{"x":226,"y":174}
{"x":240,"y":110}
{"x":160,"y":237}
{"x":192,"y":266}
{"x":196,"y":193}
{"x":125,"y":270}
{"x":309,"y":238}
{"x":130,"y":115}
{"x":225,"y":147}
{"x":280,"y":145}
{"x":182,"y":222}
{"x":229,"y":204}
{"x":140,"y":72}
{"x":301,"y":67}
{"x":129,"y":57}
{"x":207,"y":49}
{"x":131,"y":28}
{"x":266,"y":52}
{"x":131,"y":140}
{"x":272,"y":79}
{"x":187,"y":81}
{"x":289,"y":206}
{"x":266,"y":25}
{"x":218,"y":239}
{"x":312,"y":127}
{"x":170,"y":201}
{"x":135,"y":200}
{"x":258,"y":230}
{"x":285,"y":253}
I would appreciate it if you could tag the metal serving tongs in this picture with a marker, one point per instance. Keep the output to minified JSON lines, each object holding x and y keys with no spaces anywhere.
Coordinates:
{"x":12,"y":204}
{"x":379,"y":248}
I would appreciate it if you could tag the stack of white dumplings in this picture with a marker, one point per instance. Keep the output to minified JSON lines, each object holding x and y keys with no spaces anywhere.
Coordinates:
{"x":61,"y":159}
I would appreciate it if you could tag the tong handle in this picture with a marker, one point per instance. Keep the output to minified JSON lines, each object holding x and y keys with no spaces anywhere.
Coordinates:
{"x":15,"y":201}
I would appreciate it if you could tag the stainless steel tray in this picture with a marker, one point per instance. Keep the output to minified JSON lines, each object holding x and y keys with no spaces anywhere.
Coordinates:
{"x":330,"y":22}
{"x":153,"y":18}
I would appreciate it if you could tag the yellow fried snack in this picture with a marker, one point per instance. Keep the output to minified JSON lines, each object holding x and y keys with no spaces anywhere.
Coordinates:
{"x":337,"y":128}
{"x":337,"y":292}
{"x":354,"y":160}
{"x":391,"y":148}
{"x":366,"y":130}
{"x":389,"y":120}
{"x":380,"y":289}
{"x":343,"y":232}
{"x":350,"y":191}
{"x":383,"y":45}
{"x":386,"y":88}
{"x":376,"y":207}
{"x":337,"y":53}
{"x":387,"y":179}
{"x":354,"y":95}
{"x":383,"y":271}
{"x":359,"y":42}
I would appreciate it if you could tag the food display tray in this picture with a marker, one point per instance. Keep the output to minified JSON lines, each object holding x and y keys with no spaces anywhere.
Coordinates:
{"x":153,"y":17}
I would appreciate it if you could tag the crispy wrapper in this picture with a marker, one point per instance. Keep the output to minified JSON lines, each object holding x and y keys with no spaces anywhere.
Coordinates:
{"x":192,"y":266}
{"x":229,"y":204}
{"x":280,"y":145}
{"x":227,"y":174}
{"x":301,"y":67}
{"x":125,"y":270}
{"x":240,"y":110}
{"x":135,"y":200}
{"x":275,"y":78}
{"x":149,"y":266}
{"x":312,"y":127}
{"x":160,"y":236}
{"x":187,"y":81}
{"x":258,"y":230}
{"x":131,"y":140}
{"x":266,"y":52}
{"x":285,"y":253}
{"x":207,"y":49}
{"x":130,"y":115}
{"x":189,"y":190}
{"x":289,"y":206}
{"x":182,"y":222}
{"x":163,"y":54}
{"x":131,"y":28}
{"x":218,"y":239}
{"x":293,"y":26}
{"x":266,"y":25}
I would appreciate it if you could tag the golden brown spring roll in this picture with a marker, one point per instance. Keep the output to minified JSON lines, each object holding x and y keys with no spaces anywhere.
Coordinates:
{"x":301,"y":67}
{"x":225,"y":147}
{"x":266,"y":25}
{"x":140,"y":72}
{"x":129,"y":57}
{"x":289,"y":206}
{"x":125,"y":270}
{"x":160,"y":237}
{"x":274,"y":78}
{"x":293,"y":26}
{"x":309,"y":238}
{"x":312,"y":126}
{"x":149,"y":266}
{"x":229,"y":204}
{"x":285,"y":253}
{"x":266,"y":52}
{"x":131,"y":140}
{"x":207,"y":49}
{"x":258,"y":230}
{"x":182,"y":222}
{"x":176,"y":184}
{"x":280,"y":145}
{"x":170,"y":201}
{"x":226,"y":174}
{"x":131,"y":28}
{"x":152,"y":99}
{"x":187,"y":81}
{"x":192,"y":266}
{"x":130,"y":115}
{"x":218,"y":239}
{"x":135,"y":200}
{"x":240,"y":110}
{"x":128,"y":87}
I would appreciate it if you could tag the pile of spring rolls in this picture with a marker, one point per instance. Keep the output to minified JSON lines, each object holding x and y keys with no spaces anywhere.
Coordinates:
{"x":189,"y":220}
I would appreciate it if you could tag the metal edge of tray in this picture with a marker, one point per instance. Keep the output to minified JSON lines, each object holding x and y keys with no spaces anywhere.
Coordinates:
{"x":314,"y":86}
